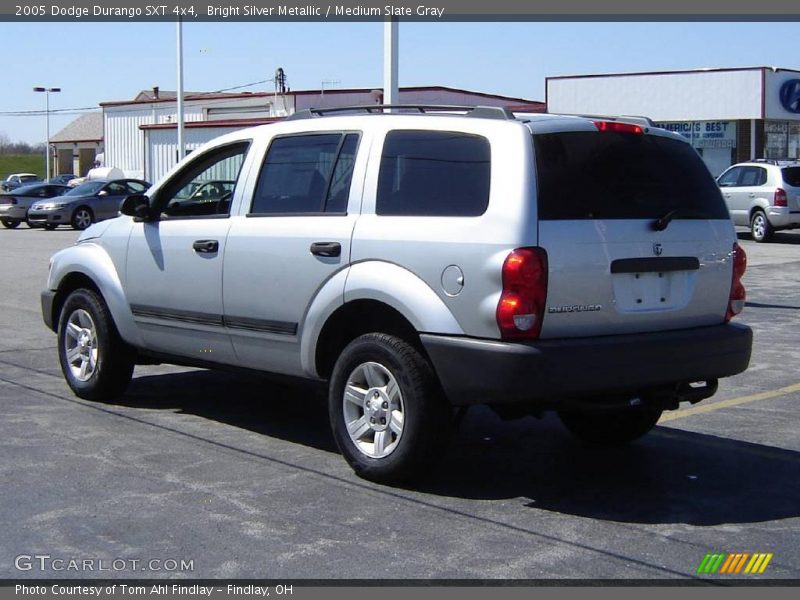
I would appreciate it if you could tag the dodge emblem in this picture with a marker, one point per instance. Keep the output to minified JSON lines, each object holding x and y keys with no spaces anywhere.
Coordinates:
{"x":657,"y":249}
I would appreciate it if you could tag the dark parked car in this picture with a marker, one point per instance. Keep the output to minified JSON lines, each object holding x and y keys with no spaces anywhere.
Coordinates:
{"x":14,"y":205}
{"x":16,"y":180}
{"x":63,"y":179}
{"x":93,"y":201}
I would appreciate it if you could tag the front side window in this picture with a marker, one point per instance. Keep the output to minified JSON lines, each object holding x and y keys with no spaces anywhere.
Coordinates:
{"x":306,"y":174}
{"x":434,"y":173}
{"x":205,"y":187}
{"x":730,"y":178}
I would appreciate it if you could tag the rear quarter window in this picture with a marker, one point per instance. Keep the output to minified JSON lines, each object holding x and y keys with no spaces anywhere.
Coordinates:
{"x":434,"y":173}
{"x":594,"y":175}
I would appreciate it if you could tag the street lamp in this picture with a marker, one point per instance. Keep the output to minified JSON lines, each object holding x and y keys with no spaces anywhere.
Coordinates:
{"x":47,"y":119}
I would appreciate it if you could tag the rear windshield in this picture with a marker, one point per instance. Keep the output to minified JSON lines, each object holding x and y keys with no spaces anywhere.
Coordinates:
{"x":588,"y":175}
{"x":791,"y":175}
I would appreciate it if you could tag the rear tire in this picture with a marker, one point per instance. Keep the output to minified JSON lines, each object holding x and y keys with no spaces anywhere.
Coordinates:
{"x":96,"y":362}
{"x":614,"y":428}
{"x":9,"y":224}
{"x":760,"y":227}
{"x":388,"y":415}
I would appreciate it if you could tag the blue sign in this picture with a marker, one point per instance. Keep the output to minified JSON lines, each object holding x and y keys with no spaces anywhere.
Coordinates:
{"x":790,"y":95}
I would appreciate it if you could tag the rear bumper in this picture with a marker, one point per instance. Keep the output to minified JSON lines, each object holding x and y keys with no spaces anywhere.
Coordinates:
{"x":474,"y":371}
{"x":783,"y":218}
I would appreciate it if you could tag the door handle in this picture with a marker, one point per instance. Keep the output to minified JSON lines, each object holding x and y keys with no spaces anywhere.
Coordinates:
{"x":330,"y":249}
{"x":206,"y":246}
{"x":752,"y":195}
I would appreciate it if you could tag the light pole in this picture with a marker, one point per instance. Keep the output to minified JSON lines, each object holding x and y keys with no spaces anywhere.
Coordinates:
{"x":47,"y":119}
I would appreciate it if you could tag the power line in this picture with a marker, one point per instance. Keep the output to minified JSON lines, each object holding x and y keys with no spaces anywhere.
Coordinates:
{"x":84,"y":109}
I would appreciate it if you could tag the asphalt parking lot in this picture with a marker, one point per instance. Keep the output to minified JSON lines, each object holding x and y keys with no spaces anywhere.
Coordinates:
{"x":241,"y":477}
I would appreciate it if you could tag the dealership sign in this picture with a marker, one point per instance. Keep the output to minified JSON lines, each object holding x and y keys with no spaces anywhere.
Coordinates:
{"x":790,"y":95}
{"x":705,"y":134}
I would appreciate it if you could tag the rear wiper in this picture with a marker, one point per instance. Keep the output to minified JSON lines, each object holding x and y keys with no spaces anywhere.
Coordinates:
{"x":662,"y":223}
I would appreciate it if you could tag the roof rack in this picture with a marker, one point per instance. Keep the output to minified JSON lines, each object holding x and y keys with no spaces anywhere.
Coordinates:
{"x":480,"y":112}
{"x":779,"y":162}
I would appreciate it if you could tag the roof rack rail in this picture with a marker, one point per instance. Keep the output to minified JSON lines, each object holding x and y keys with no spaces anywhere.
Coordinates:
{"x":480,"y":112}
{"x":779,"y":162}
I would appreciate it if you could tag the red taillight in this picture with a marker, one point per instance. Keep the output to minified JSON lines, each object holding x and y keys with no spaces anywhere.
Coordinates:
{"x":780,"y":198}
{"x":521,"y":307}
{"x":617,"y":127}
{"x":738,"y":294}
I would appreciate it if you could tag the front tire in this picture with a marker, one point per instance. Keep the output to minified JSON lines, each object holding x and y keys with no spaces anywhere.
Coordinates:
{"x":82,"y":218}
{"x":760,"y":227}
{"x":613,"y":428}
{"x":9,"y":224}
{"x":388,"y":416}
{"x":96,"y":362}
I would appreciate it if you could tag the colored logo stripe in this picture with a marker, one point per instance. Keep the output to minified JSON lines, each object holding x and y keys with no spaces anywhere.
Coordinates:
{"x":732,"y":564}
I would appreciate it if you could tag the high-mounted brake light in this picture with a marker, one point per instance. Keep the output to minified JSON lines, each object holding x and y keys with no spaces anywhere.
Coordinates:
{"x":738,"y":295}
{"x":780,"y":198}
{"x":520,"y":309}
{"x":617,"y":127}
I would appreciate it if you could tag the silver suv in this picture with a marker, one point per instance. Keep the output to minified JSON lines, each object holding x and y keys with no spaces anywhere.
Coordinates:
{"x":763,"y":195}
{"x":418,"y":263}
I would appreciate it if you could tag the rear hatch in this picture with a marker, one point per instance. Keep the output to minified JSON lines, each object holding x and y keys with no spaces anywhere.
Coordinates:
{"x":791,"y":181}
{"x":612,"y":268}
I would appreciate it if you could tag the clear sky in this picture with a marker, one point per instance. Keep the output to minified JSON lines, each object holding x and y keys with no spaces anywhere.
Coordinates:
{"x":97,"y":62}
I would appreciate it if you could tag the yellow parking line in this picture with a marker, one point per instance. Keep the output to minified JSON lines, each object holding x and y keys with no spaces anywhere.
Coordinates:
{"x":705,"y":408}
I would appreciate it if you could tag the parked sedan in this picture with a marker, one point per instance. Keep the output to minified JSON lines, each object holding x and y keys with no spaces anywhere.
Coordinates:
{"x":62,"y":179}
{"x":14,"y":205}
{"x":16,"y":180}
{"x":93,"y":201}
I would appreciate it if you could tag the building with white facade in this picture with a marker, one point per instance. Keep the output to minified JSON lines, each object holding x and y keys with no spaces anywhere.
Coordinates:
{"x":729,"y":115}
{"x":141,"y":134}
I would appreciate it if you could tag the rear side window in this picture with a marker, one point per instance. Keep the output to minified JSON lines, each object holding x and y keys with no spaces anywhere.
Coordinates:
{"x":791,"y":175}
{"x":753,"y":176}
{"x":434,"y":173}
{"x":588,"y":175}
{"x":305,"y":174}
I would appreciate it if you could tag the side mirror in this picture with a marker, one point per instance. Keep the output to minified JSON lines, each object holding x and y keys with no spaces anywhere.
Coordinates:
{"x":102,"y":193}
{"x":136,"y":206}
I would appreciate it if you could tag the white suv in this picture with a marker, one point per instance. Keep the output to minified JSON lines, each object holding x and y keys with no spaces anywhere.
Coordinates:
{"x":416,"y":263}
{"x":763,"y":195}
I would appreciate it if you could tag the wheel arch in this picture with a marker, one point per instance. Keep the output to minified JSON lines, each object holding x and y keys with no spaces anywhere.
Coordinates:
{"x":758,"y":204}
{"x":89,"y":266}
{"x":378,"y":296}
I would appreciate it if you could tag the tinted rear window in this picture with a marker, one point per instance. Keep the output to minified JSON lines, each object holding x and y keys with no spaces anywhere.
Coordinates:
{"x":588,"y":175}
{"x":434,"y":173}
{"x":791,"y":175}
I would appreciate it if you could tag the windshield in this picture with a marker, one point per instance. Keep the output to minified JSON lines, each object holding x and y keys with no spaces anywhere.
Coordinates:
{"x":86,"y":189}
{"x":588,"y":175}
{"x":25,"y":178}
